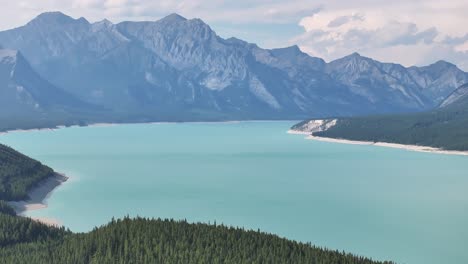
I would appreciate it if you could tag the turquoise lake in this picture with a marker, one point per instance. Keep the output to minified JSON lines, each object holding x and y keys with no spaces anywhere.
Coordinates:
{"x":384,"y":203}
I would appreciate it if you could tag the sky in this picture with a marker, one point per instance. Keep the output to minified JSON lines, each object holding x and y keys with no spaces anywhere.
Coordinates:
{"x":416,"y":32}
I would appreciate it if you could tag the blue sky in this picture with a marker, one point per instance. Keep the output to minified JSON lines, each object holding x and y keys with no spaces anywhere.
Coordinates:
{"x":416,"y":32}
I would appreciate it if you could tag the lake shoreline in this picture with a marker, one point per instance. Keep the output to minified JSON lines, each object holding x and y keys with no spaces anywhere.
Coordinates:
{"x":159,"y":171}
{"x":105,"y":124}
{"x":425,"y":149}
{"x":38,"y":199}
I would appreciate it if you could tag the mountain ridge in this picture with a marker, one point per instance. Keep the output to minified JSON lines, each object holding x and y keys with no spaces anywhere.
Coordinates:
{"x":180,"y":69}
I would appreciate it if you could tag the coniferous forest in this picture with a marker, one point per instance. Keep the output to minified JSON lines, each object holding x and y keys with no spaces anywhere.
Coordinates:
{"x":138,"y":240}
{"x":143,"y":240}
{"x":443,"y":128}
{"x":19,"y":173}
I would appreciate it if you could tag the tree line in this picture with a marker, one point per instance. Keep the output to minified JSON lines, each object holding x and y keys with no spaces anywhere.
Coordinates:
{"x":445,"y":128}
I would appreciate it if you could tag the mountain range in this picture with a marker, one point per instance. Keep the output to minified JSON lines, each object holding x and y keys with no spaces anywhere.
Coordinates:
{"x":178,"y":69}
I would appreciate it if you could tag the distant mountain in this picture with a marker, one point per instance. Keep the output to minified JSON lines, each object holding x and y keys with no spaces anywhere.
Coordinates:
{"x":179,"y":69}
{"x":388,"y":84}
{"x":438,"y":80}
{"x":23,"y":90}
{"x":26,"y":98}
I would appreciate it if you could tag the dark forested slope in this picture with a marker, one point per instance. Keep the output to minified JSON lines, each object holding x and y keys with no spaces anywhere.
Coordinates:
{"x":445,"y":127}
{"x":165,"y":241}
{"x":19,"y":173}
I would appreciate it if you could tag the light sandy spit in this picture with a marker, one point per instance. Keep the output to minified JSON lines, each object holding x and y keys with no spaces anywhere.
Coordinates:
{"x":381,"y":144}
{"x":38,"y":199}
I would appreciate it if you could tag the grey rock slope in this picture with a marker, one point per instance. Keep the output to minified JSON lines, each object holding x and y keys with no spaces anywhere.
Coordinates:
{"x":179,"y":69}
{"x":459,"y":96}
{"x":438,"y":80}
{"x":22,"y":90}
{"x":29,"y":101}
{"x":388,"y":84}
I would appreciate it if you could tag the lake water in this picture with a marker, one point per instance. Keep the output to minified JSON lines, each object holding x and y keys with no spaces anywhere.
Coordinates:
{"x":384,"y":203}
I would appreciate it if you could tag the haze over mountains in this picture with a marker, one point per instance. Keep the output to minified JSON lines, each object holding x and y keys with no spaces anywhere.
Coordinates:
{"x":176,"y":69}
{"x":25,"y":97}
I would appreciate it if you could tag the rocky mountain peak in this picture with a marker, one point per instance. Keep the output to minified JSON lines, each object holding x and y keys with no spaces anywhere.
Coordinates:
{"x":55,"y":18}
{"x":102,"y":25}
{"x":439,"y":67}
{"x":104,"y":22}
{"x":291,"y":51}
{"x":352,"y":64}
{"x":173,"y":18}
{"x":443,"y":63}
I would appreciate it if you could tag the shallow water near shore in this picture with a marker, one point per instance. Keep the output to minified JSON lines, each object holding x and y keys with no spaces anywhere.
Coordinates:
{"x":384,"y":203}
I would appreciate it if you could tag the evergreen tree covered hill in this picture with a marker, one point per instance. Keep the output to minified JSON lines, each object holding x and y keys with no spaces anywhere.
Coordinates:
{"x":445,"y":127}
{"x":19,"y":173}
{"x":143,"y":240}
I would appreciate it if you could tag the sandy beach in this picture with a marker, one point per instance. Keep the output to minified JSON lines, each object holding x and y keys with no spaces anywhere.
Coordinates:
{"x":381,"y":144}
{"x":297,"y":132}
{"x":38,"y":198}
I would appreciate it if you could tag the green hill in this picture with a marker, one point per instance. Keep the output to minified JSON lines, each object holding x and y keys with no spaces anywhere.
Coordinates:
{"x":19,"y":173}
{"x":166,"y":241}
{"x":445,"y":127}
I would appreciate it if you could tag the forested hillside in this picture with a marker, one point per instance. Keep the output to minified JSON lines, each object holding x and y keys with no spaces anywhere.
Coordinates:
{"x":445,"y":127}
{"x":166,"y":241}
{"x":19,"y":173}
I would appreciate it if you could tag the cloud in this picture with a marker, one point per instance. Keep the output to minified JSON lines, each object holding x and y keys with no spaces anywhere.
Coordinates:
{"x":335,"y":41}
{"x":411,"y":33}
{"x":341,"y":20}
{"x":462,"y":47}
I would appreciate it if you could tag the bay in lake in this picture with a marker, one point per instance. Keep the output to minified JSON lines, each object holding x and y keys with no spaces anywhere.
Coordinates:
{"x":384,"y":203}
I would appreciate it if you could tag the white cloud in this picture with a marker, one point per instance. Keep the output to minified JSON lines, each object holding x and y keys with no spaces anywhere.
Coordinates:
{"x":342,"y":20}
{"x":462,"y":47}
{"x":407,"y":32}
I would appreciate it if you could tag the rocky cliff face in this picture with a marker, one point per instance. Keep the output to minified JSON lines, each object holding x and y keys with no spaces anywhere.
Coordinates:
{"x":23,"y":90}
{"x":178,"y":69}
{"x":389,"y":84}
{"x":29,"y":101}
{"x":459,"y":96}
{"x":309,"y":127}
